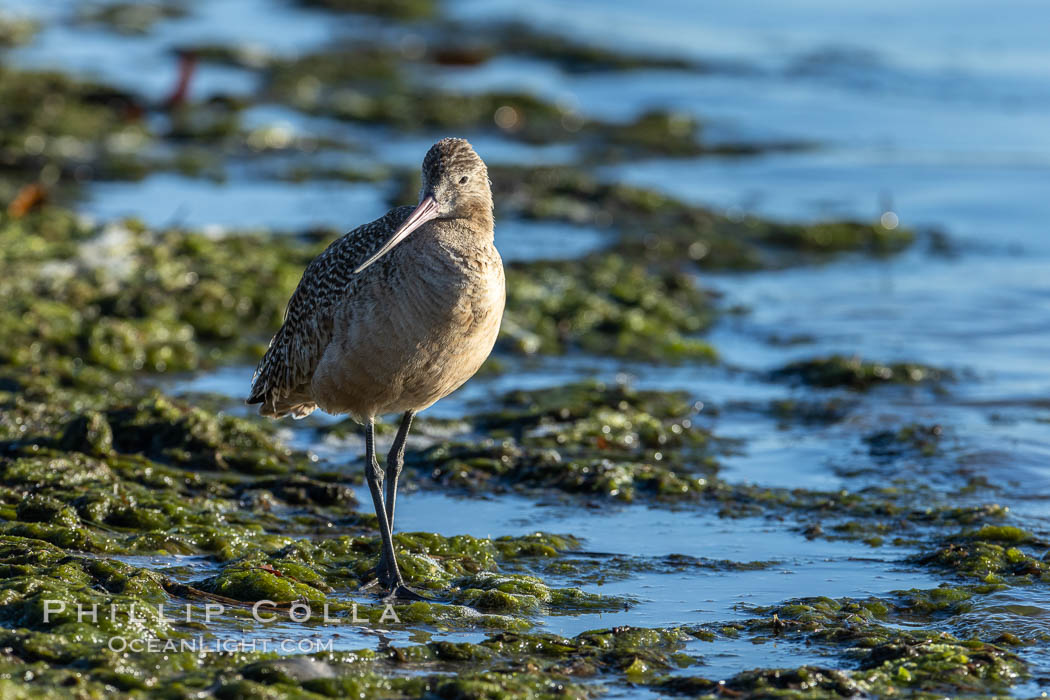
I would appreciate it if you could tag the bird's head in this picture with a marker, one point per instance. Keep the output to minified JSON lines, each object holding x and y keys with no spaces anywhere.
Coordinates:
{"x":457,"y":180}
{"x":455,"y":186}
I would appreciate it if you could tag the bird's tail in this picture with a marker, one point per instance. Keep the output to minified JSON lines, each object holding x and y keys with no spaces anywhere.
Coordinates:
{"x":274,"y":403}
{"x":297,"y":405}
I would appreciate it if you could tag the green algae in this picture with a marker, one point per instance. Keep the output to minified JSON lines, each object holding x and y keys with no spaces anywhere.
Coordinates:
{"x":172,"y":433}
{"x":810,"y":411}
{"x":886,"y":660}
{"x":191,"y":438}
{"x":428,"y":560}
{"x":397,"y":9}
{"x":130,"y":18}
{"x":520,"y":409}
{"x":45,"y":590}
{"x":594,"y":438}
{"x":377,"y":83}
{"x":149,"y":475}
{"x":908,"y":440}
{"x":493,"y":584}
{"x":945,"y":601}
{"x":16,"y":31}
{"x":54,"y":125}
{"x":91,"y":464}
{"x":371,"y":84}
{"x":659,"y":133}
{"x":303,"y":173}
{"x":987,"y":555}
{"x":517,"y":594}
{"x":180,"y":300}
{"x":51,"y":233}
{"x":939,"y":668}
{"x":483,"y":686}
{"x":1001,"y":533}
{"x":658,"y":228}
{"x":570,"y":55}
{"x":610,"y":441}
{"x":463,"y":571}
{"x":606,"y":305}
{"x":621,"y":650}
{"x":584,"y":438}
{"x":154,"y":506}
{"x":254,"y":583}
{"x":857,"y":374}
{"x":173,"y":301}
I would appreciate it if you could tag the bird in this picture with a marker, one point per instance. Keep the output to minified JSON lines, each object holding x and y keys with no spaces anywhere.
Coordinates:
{"x":392,"y":317}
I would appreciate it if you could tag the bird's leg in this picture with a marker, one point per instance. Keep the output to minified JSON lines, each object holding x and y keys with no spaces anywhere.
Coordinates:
{"x":374,"y":478}
{"x":389,"y":575}
{"x":395,"y":460}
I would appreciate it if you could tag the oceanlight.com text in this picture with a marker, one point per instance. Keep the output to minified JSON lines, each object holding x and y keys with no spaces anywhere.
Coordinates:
{"x":203,"y":645}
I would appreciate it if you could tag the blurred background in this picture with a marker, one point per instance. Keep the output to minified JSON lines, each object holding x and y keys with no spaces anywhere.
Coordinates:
{"x":808,"y":180}
{"x":936,"y":109}
{"x":928,"y":119}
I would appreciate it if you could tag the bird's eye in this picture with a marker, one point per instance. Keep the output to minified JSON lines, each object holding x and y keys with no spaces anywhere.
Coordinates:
{"x":463,"y":180}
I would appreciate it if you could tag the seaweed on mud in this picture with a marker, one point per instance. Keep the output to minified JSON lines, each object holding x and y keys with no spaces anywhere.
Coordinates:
{"x":59,"y":471}
{"x":16,"y":31}
{"x":658,"y":228}
{"x":125,"y":298}
{"x":59,"y":607}
{"x":55,"y":126}
{"x":460,"y":571}
{"x":600,"y":568}
{"x":912,"y":439}
{"x":884,"y":659}
{"x":857,"y":374}
{"x":519,"y":409}
{"x":95,"y":468}
{"x":145,"y":474}
{"x":152,"y":427}
{"x":585,"y":438}
{"x":992,"y":553}
{"x":378,"y":83}
{"x":90,"y":483}
{"x":60,"y":132}
{"x":373,"y":84}
{"x":127,"y":473}
{"x":810,"y":411}
{"x":132,"y":18}
{"x":606,"y":305}
{"x":569,"y":54}
{"x":609,"y":441}
{"x":395,"y":9}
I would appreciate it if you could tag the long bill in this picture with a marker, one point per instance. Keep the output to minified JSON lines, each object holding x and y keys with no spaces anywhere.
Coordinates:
{"x":427,"y":210}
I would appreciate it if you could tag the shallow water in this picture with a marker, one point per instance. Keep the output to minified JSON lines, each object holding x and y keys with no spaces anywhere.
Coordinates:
{"x":940,"y":114}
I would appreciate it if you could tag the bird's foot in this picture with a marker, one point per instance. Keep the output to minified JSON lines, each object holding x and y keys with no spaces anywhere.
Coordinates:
{"x":369,"y":585}
{"x":379,"y":575}
{"x":402,"y":593}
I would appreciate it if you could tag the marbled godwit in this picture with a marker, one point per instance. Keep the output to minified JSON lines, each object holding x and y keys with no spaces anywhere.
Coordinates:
{"x":387,"y":322}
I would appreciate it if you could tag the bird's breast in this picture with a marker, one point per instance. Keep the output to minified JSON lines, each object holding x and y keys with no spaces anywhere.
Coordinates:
{"x":413,"y":336}
{"x":446,"y":296}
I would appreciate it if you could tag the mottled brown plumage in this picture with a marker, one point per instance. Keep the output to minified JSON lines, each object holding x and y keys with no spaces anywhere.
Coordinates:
{"x":393,"y":316}
{"x":282,"y":379}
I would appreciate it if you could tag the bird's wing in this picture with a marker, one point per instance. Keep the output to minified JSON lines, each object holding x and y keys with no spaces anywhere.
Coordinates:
{"x":295,"y":350}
